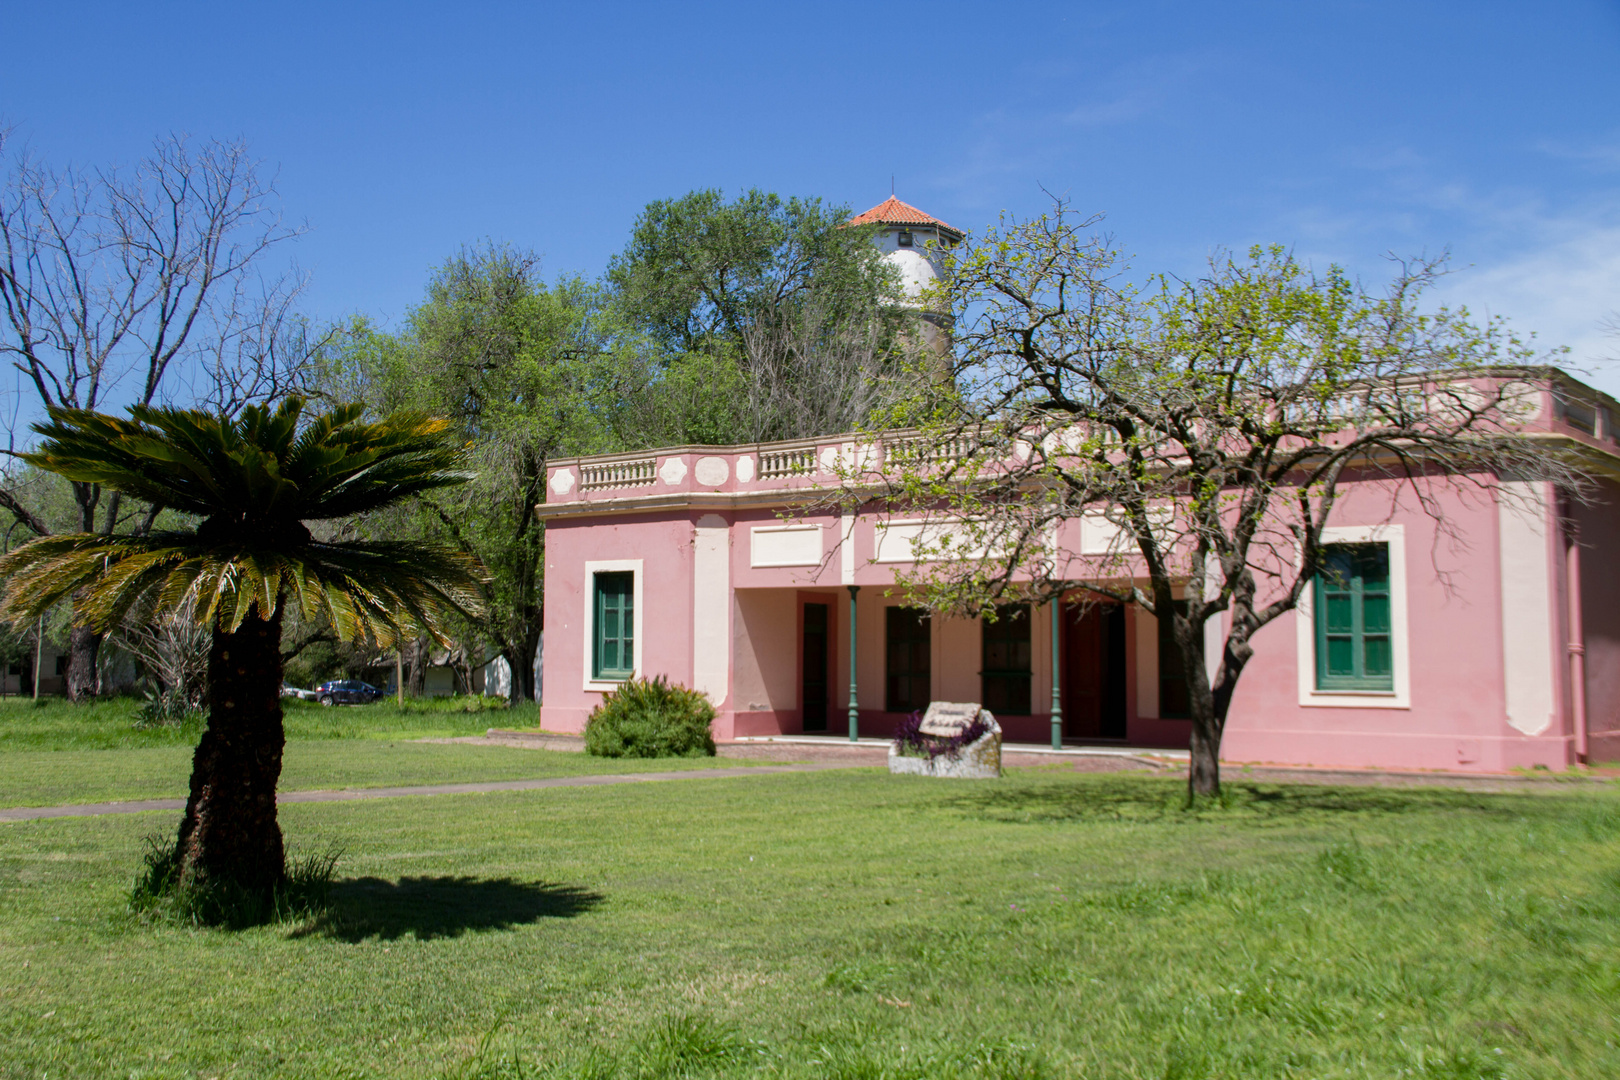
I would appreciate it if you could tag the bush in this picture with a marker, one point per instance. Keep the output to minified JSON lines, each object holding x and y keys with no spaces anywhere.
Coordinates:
{"x":169,"y":710}
{"x":649,"y":719}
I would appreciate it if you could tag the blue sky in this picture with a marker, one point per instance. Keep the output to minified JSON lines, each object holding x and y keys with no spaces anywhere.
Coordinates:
{"x":1346,"y":130}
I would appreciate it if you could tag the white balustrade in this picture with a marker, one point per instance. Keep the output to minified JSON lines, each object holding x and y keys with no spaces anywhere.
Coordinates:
{"x":775,"y":464}
{"x":618,"y":474}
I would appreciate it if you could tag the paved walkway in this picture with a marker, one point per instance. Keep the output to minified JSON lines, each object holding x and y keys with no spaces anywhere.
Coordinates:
{"x":35,"y":813}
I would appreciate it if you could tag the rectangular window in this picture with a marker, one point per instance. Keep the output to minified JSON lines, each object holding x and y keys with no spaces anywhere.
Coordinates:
{"x":614,"y":650}
{"x":1352,"y":609}
{"x":906,"y":638}
{"x":1005,"y":658}
{"x":1175,"y":702}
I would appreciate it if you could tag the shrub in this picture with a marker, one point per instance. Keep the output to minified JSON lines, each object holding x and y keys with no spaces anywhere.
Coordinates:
{"x":169,"y":710}
{"x":649,"y":719}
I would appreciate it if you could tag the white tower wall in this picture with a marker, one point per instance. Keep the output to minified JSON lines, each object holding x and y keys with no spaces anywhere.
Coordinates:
{"x":918,"y":264}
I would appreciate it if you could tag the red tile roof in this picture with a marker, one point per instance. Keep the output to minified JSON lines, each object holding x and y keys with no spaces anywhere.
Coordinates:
{"x":894,"y":212}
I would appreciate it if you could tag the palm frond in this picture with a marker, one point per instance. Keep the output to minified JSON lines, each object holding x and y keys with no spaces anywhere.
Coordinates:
{"x":259,"y":466}
{"x":375,"y":593}
{"x":254,"y":480}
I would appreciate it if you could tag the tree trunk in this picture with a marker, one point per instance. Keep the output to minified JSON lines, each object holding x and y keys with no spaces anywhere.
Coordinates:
{"x":1210,"y":711}
{"x":417,"y":660}
{"x":230,"y":833}
{"x":1204,"y":770}
{"x":521,"y":660}
{"x":1204,"y":766}
{"x":84,"y":650}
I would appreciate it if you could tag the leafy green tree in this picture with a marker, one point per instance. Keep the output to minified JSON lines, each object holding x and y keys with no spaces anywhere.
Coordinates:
{"x":1211,"y":424}
{"x":775,"y":319}
{"x":523,"y":371}
{"x":253,"y":483}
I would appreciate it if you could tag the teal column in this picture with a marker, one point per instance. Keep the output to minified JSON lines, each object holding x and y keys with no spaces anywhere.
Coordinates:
{"x":854,"y":710}
{"x":1057,"y":678}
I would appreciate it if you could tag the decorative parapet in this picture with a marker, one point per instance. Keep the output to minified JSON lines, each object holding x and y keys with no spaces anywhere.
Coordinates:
{"x":738,"y":470}
{"x":1553,"y":404}
{"x":797,"y":461}
{"x":618,"y":474}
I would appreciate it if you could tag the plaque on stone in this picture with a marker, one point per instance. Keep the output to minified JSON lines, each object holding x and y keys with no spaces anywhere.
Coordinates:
{"x":948,"y":719}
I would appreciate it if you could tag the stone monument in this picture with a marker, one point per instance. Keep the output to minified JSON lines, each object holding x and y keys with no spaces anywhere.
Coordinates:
{"x":937,"y":748}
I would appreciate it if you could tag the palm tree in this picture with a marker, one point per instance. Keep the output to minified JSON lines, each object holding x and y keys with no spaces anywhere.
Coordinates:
{"x":253,"y":482}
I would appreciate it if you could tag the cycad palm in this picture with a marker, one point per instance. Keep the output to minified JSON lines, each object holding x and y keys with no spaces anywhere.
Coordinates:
{"x":254,"y":481}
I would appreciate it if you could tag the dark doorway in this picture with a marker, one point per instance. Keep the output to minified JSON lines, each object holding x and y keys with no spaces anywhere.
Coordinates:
{"x":1005,"y":658}
{"x":906,"y":636}
{"x":813,"y":690}
{"x":1094,"y":671}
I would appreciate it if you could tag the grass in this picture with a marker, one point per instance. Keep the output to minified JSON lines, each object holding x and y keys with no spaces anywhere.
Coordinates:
{"x":852,"y":925}
{"x":54,"y":724}
{"x":62,"y":754}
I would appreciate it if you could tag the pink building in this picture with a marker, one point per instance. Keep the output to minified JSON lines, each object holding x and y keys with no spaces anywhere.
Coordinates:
{"x":1498,"y":652}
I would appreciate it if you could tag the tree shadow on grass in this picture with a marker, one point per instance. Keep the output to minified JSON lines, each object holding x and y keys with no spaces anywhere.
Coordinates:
{"x":1103,"y":800}
{"x":441,"y":907}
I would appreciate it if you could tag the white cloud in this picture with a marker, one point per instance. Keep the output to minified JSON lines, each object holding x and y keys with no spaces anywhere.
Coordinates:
{"x":1563,"y":283}
{"x":1549,"y":268}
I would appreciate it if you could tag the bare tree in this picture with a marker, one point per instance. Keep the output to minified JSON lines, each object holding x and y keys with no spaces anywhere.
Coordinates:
{"x":1207,"y":426}
{"x":819,"y":366}
{"x":114,"y":284}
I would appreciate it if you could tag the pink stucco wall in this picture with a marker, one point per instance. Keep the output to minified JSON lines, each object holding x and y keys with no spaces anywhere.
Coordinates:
{"x":1456,"y":717}
{"x":664,"y":546}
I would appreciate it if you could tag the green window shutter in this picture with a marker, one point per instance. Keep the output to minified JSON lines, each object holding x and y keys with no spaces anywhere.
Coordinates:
{"x":1005,"y":661}
{"x":909,"y":664}
{"x":1353,"y":644}
{"x":613,"y":652}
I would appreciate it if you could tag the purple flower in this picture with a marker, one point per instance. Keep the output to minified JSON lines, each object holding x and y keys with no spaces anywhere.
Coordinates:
{"x":909,"y":738}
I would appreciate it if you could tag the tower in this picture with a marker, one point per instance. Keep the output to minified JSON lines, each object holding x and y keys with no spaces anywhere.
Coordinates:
{"x":912,"y":241}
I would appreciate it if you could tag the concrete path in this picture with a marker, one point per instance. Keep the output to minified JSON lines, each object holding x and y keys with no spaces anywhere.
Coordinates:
{"x":35,"y":813}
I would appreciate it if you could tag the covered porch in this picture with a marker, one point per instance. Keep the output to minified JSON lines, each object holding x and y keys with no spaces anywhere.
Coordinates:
{"x":1115,"y":683}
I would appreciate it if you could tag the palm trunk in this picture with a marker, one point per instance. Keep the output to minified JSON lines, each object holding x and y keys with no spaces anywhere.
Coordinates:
{"x":230,"y":833}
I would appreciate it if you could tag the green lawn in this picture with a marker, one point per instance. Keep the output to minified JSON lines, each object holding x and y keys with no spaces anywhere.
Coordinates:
{"x":852,"y":924}
{"x":61,"y":754}
{"x":53,"y":724}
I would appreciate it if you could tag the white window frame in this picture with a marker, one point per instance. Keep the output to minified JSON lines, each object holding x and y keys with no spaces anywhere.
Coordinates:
{"x":1305,"y":627}
{"x":608,"y":566}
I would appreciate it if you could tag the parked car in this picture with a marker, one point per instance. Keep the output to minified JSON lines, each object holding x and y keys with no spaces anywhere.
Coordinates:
{"x":347,"y":692}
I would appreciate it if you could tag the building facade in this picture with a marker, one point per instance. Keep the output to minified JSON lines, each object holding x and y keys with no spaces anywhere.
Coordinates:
{"x":1489,"y":645}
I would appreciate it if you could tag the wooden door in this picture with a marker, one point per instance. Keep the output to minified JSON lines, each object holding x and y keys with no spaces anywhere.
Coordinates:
{"x":1093,"y":687}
